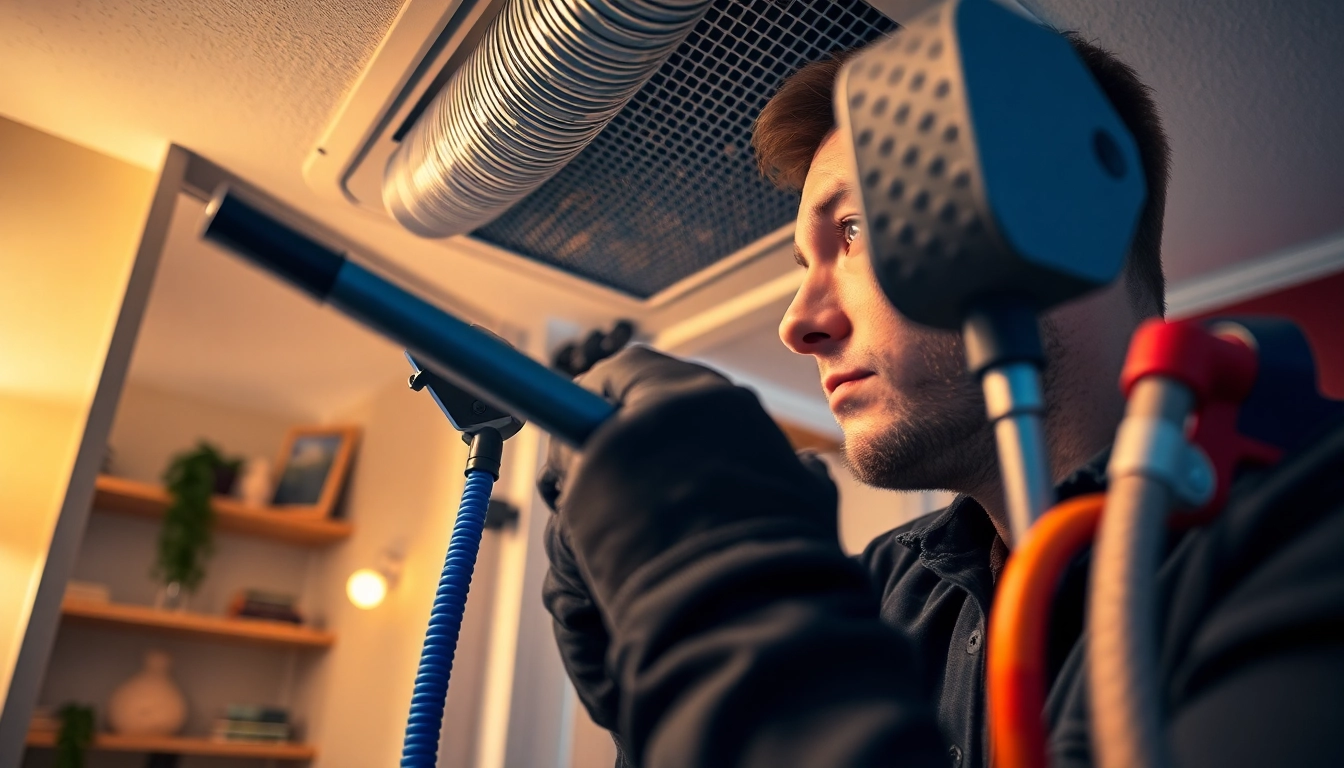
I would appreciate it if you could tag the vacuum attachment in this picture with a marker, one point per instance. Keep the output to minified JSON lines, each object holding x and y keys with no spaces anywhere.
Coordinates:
{"x":990,"y":162}
{"x":497,"y":375}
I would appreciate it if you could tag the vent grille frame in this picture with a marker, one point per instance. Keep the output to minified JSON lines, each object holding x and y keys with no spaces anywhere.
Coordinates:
{"x":345,"y":164}
{"x":670,"y":188}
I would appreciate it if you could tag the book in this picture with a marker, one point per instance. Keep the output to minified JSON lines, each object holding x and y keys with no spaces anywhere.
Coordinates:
{"x":262,"y":597}
{"x":254,"y":612}
{"x":256,"y":714}
{"x":249,"y":730}
{"x":256,"y":604}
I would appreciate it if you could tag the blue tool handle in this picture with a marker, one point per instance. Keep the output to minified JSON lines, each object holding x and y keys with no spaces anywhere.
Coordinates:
{"x":475,"y":361}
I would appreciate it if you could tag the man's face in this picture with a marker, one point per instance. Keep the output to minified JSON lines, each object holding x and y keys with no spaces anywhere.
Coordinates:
{"x":913,"y":417}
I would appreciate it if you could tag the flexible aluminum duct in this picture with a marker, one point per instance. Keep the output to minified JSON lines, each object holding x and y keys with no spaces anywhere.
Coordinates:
{"x":547,"y":77}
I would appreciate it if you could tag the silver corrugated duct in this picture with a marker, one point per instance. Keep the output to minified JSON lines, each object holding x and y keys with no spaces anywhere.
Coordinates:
{"x":547,"y":77}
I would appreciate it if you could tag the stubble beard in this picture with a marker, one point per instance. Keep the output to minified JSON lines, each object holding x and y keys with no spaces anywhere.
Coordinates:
{"x":936,"y":436}
{"x":939,"y":437}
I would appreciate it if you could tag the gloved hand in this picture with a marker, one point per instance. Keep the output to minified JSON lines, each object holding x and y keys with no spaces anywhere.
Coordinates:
{"x":685,"y":452}
{"x":628,"y":379}
{"x":643,"y":382}
{"x":580,"y":634}
{"x":633,"y":378}
{"x":579,"y":631}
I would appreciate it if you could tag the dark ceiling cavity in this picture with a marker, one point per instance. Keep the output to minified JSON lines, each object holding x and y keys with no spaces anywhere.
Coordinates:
{"x":670,"y":186}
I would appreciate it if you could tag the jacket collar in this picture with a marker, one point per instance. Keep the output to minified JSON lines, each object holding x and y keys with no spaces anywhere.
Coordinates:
{"x":955,"y":543}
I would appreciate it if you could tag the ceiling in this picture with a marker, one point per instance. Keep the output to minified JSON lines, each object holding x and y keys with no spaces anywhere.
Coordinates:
{"x":1250,"y":92}
{"x":1253,"y":101}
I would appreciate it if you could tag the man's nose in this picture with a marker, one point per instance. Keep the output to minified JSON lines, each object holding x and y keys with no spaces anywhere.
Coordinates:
{"x":815,"y":322}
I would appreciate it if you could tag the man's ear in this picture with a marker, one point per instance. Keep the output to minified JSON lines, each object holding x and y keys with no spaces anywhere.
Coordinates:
{"x":1141,"y":298}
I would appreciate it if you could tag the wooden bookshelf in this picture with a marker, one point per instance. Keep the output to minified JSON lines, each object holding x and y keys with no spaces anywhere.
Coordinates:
{"x":131,"y":497}
{"x":183,"y":745}
{"x":197,"y":625}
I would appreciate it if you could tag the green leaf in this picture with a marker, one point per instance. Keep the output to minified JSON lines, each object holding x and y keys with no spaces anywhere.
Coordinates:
{"x":75,"y":736}
{"x":185,"y":538}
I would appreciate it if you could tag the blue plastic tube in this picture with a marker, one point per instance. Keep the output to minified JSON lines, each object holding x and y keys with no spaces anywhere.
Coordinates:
{"x":420,"y":750}
{"x":475,"y":361}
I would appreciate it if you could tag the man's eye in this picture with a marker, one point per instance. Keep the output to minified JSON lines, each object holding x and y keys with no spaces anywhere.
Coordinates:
{"x":851,"y":230}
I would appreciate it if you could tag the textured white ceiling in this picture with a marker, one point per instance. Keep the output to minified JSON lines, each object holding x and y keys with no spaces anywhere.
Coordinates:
{"x":1253,"y":99}
{"x":260,"y":77}
{"x":1250,"y":90}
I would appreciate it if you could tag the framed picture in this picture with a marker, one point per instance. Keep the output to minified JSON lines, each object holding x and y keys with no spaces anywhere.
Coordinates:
{"x":312,"y":469}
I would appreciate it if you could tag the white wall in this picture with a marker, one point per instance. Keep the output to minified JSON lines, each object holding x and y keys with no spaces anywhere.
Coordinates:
{"x":153,"y":423}
{"x":71,"y":221}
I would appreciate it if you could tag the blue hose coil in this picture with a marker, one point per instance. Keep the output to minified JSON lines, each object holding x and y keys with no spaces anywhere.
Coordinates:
{"x":420,"y":750}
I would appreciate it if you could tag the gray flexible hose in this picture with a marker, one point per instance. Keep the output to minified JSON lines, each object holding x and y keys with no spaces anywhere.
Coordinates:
{"x":1124,"y":678}
{"x":546,"y":79}
{"x":1123,"y":674}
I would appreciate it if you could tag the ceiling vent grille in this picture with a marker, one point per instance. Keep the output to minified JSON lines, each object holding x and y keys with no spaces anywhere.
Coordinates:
{"x":670,"y":186}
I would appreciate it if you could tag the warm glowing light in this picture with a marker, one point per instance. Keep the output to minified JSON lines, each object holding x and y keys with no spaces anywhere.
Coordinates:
{"x":366,"y":588}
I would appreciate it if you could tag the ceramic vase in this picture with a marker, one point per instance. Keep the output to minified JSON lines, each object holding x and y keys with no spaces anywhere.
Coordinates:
{"x":255,"y":487}
{"x":149,"y":703}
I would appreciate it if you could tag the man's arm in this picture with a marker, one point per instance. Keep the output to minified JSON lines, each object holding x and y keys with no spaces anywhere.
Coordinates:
{"x":761,"y":646}
{"x":741,"y":633}
{"x":1256,"y":623}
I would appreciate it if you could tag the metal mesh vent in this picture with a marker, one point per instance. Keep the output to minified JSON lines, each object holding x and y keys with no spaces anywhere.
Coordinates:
{"x":670,"y":186}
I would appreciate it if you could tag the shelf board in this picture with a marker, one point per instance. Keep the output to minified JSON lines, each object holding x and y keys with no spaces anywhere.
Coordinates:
{"x":183,"y":745}
{"x":131,"y":497}
{"x":198,"y":625}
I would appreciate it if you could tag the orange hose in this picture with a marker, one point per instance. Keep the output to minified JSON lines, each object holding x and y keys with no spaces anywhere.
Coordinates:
{"x":1017,"y":630}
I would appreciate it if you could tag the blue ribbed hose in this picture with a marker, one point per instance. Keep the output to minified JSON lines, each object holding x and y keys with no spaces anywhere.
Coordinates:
{"x":421,"y":747}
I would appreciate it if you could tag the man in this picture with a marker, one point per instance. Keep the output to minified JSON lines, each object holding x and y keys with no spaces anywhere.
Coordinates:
{"x":703,"y":606}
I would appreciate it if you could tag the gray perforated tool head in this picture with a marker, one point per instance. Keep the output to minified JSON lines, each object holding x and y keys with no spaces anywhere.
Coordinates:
{"x":990,"y":162}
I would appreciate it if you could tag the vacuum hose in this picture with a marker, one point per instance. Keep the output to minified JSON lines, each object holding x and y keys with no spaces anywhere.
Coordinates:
{"x":421,"y":747}
{"x":1123,"y":673}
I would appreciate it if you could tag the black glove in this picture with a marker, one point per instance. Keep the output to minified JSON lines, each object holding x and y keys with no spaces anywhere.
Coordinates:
{"x":711,"y":417}
{"x":633,"y":378}
{"x":675,"y":460}
{"x":687,"y":456}
{"x":579,"y":629}
{"x":580,"y":635}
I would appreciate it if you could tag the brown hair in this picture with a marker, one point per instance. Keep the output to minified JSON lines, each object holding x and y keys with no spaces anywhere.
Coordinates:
{"x":799,"y":117}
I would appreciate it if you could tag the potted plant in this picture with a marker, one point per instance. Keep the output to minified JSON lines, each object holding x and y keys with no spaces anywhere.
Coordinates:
{"x":184,"y":540}
{"x":75,"y":735}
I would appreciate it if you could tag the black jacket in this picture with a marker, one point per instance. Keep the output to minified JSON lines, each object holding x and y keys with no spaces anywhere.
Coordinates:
{"x":937,"y":585}
{"x":750,"y":639}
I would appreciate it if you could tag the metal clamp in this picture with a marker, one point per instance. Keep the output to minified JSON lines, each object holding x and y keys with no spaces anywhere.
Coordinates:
{"x":1158,"y":449}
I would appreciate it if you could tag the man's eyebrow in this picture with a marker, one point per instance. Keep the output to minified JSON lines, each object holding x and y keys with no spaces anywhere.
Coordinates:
{"x":828,"y":204}
{"x":822,"y":210}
